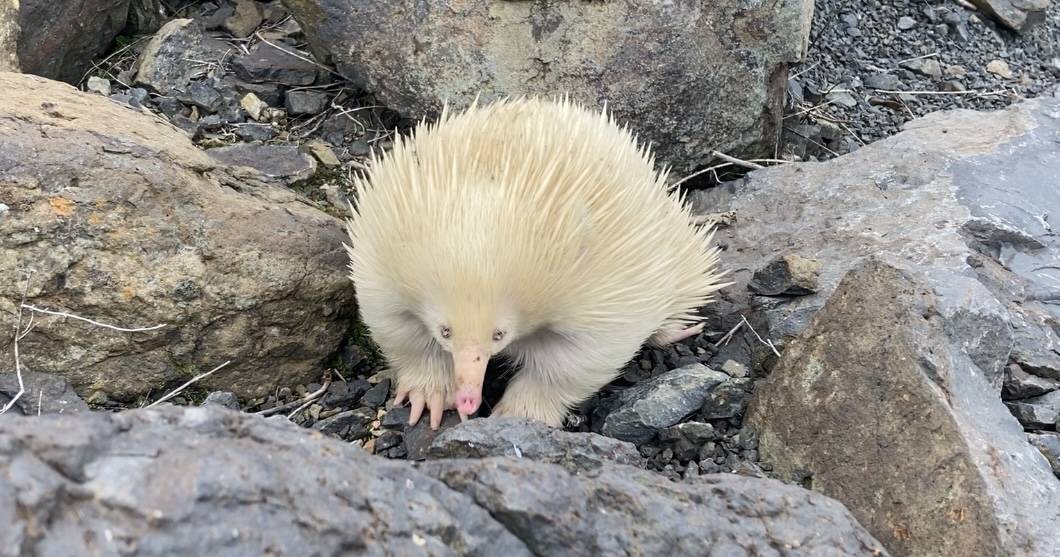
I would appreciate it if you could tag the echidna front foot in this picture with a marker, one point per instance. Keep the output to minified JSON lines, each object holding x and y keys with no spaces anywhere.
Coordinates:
{"x":433,"y":401}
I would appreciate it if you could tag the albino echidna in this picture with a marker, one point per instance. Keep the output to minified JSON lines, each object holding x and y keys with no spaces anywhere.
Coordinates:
{"x":534,"y":228}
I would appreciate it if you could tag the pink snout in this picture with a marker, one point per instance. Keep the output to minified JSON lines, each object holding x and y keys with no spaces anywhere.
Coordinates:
{"x":468,"y":401}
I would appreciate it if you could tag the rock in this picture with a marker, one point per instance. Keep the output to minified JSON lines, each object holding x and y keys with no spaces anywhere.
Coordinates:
{"x":842,"y":98}
{"x":967,"y":186}
{"x":616,"y":510}
{"x":999,"y":68}
{"x":322,"y":152}
{"x":174,"y":56}
{"x":727,"y":400}
{"x":256,"y":132}
{"x":266,"y":63}
{"x":883,"y":81}
{"x":524,"y":438}
{"x":1033,"y":416}
{"x":253,"y":105}
{"x":1018,"y":15}
{"x":61,"y":477}
{"x":199,"y":94}
{"x":246,"y":19}
{"x":874,"y":393}
{"x":925,"y":66}
{"x":284,"y":163}
{"x":906,"y":23}
{"x":1020,"y":384}
{"x":123,"y":220}
{"x":637,"y":413}
{"x":734,"y":368}
{"x":270,"y":93}
{"x":1049,"y":445}
{"x":59,"y":40}
{"x":223,"y":399}
{"x":99,"y":86}
{"x":658,"y":66}
{"x":9,"y":33}
{"x":376,"y":396}
{"x":789,"y":275}
{"x":350,"y":424}
{"x":44,"y":393}
{"x":306,"y":102}
{"x":418,"y":437}
{"x":696,"y":433}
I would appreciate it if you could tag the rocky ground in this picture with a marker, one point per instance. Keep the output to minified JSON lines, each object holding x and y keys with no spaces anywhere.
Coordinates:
{"x":241,"y":80}
{"x":874,"y":65}
{"x":252,"y":93}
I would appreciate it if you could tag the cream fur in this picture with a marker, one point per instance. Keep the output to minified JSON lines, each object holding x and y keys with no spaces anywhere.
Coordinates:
{"x":539,"y":218}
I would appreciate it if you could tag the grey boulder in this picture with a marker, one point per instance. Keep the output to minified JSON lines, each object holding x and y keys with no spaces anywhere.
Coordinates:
{"x":59,"y":40}
{"x":690,"y":77}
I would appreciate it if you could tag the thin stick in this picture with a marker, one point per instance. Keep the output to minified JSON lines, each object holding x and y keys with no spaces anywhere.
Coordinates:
{"x":294,"y":403}
{"x":87,"y":320}
{"x":932,"y":55}
{"x":299,"y":56}
{"x":768,"y":343}
{"x":736,"y":161}
{"x":980,"y":93}
{"x":189,"y":383}
{"x":312,"y":397}
{"x":724,"y":165}
{"x":40,"y":400}
{"x":19,"y":334}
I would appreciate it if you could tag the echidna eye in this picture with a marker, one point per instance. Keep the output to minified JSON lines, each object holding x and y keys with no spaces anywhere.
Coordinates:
{"x":498,"y":336}
{"x":446,"y":332}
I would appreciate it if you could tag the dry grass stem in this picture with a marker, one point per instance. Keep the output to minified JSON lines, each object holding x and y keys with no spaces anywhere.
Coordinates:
{"x":190,"y":382}
{"x":90,"y":321}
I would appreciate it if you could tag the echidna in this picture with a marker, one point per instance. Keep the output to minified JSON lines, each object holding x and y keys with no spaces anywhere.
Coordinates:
{"x":534,"y":228}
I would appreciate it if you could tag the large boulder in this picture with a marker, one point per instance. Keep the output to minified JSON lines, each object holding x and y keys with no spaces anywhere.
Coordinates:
{"x":879,"y":405}
{"x":9,"y":30}
{"x":690,"y":77}
{"x":115,"y":216}
{"x":59,"y":40}
{"x":966,"y":197}
{"x":208,"y":481}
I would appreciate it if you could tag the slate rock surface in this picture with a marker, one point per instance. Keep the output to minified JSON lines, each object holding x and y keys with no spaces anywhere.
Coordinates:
{"x":533,"y":440}
{"x":59,"y":40}
{"x":208,"y":481}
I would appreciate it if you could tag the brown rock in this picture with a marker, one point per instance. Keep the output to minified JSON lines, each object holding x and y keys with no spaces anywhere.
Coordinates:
{"x":247,"y":18}
{"x":790,"y":275}
{"x":876,"y":407}
{"x":117,"y":217}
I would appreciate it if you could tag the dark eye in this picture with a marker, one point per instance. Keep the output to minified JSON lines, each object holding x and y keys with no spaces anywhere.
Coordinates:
{"x":446,"y":332}
{"x":498,"y":336}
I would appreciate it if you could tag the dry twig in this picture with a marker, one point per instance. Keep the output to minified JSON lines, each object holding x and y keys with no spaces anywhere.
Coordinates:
{"x":301,"y":403}
{"x":190,"y":382}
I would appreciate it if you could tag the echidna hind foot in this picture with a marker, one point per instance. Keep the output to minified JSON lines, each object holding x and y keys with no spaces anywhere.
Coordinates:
{"x":666,"y":337}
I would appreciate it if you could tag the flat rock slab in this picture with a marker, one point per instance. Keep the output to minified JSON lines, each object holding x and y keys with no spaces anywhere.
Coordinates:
{"x":689,"y":77}
{"x":964,"y":196}
{"x":1018,"y":15}
{"x":533,"y":440}
{"x":178,"y":54}
{"x":876,"y":405}
{"x":284,"y":163}
{"x":115,"y":216}
{"x":208,"y":481}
